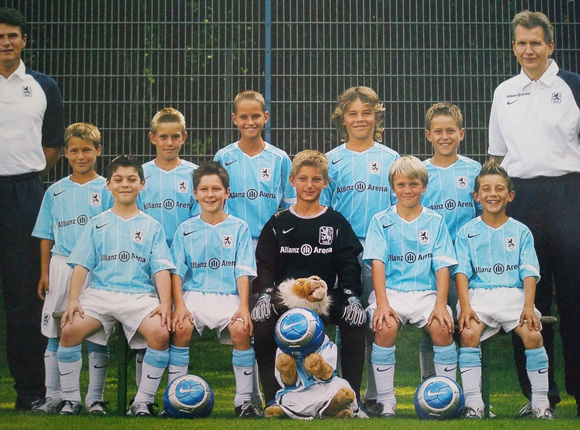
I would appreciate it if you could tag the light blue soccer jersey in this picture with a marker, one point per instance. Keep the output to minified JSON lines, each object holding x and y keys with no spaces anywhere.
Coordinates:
{"x":168,"y":195}
{"x":210,"y":258}
{"x":500,"y":257}
{"x":450,"y":192}
{"x":66,"y":208}
{"x":259,"y":185}
{"x":412,"y":251}
{"x":359,"y":184}
{"x":122,"y":254}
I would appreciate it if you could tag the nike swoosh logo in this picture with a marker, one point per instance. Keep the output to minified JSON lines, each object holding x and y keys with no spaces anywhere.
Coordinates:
{"x":230,"y":162}
{"x":96,"y":366}
{"x":187,"y":233}
{"x":152,"y":377}
{"x":432,"y":393}
{"x":450,"y":369}
{"x":147,"y":177}
{"x":387,"y":226}
{"x":289,"y":326}
{"x":512,"y":101}
{"x":58,"y":194}
{"x":465,"y":371}
{"x":101,"y":226}
{"x":173,"y":373}
{"x":471,"y":236}
{"x":248,"y":373}
{"x":337,"y":161}
{"x":543,"y":370}
{"x":180,"y":390}
{"x":287,"y":231}
{"x":68,"y":373}
{"x":384,"y":369}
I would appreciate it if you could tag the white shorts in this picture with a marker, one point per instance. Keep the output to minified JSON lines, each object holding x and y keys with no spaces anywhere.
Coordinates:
{"x":310,"y":403}
{"x":497,"y":308}
{"x":212,"y":311}
{"x":129,"y":309}
{"x":413,"y":307}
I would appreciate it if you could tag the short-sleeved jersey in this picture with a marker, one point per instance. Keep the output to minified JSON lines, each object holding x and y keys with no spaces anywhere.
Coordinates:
{"x":66,"y":209}
{"x":413,"y":251}
{"x":450,"y":192}
{"x":359,"y":184}
{"x":535,"y":125}
{"x":259,"y":185}
{"x":210,"y":258}
{"x":31,"y":116}
{"x":293,"y":246}
{"x":500,"y":257}
{"x":122,"y":254}
{"x":168,"y":195}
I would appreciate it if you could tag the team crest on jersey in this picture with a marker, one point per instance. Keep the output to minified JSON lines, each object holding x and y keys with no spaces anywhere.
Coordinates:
{"x":375,"y":168}
{"x":138,"y":236}
{"x":461,"y":182}
{"x":265,"y":173}
{"x":182,"y":186}
{"x":45,"y":319}
{"x":228,"y":241}
{"x":556,"y":97}
{"x":26,"y":91}
{"x":510,"y":243}
{"x":325,"y":235}
{"x":95,"y":199}
{"x":424,"y":236}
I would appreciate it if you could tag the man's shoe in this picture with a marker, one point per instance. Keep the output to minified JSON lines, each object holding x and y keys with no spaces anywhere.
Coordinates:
{"x":361,"y":411}
{"x":545,"y":413}
{"x":526,"y":411}
{"x":472,"y":413}
{"x":249,"y":410}
{"x":140,"y":410}
{"x":68,"y":407}
{"x":25,"y":402}
{"x":381,"y":410}
{"x":45,"y":406}
{"x":98,"y":408}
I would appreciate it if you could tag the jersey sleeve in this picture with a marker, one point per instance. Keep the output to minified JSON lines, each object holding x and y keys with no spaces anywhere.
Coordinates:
{"x":464,"y":265}
{"x":245,"y":258}
{"x":375,"y":243}
{"x":266,"y":258}
{"x":529,"y":265}
{"x":497,"y":145}
{"x":346,"y":261}
{"x":160,"y":258}
{"x":43,"y":229}
{"x":53,"y":122}
{"x":84,"y":253}
{"x":178,"y":253}
{"x":289,"y":196}
{"x":443,"y":252}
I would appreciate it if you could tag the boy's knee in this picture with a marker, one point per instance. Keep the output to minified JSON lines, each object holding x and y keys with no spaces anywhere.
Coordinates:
{"x":182,"y":336}
{"x":532,"y":339}
{"x":469,"y":338}
{"x":239,"y":335}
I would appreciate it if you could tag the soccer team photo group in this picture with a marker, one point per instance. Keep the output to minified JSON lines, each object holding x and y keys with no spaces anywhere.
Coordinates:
{"x":311,"y":268}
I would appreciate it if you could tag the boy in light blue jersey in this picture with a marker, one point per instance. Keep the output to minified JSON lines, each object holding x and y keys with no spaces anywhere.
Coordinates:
{"x":411,"y":254}
{"x":124,"y":250}
{"x":451,"y":180}
{"x":258,"y":171}
{"x":496,"y":275}
{"x":66,"y":209}
{"x":168,"y":195}
{"x":359,"y":177}
{"x":215,"y":260}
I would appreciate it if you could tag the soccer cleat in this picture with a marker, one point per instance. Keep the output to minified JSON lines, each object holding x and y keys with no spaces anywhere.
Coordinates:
{"x":381,"y":410}
{"x":472,"y":413}
{"x":249,"y":410}
{"x":68,"y":407}
{"x":141,"y":410}
{"x":361,"y":411}
{"x":526,"y":411}
{"x":98,"y":408}
{"x":45,"y":406}
{"x":545,"y":413}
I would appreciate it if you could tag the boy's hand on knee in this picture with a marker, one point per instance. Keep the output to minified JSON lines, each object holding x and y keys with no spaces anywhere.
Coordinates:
{"x":243,"y":316}
{"x":442,"y":316}
{"x":530,"y":318}
{"x":164,"y":311}
{"x":465,"y":317}
{"x":384,"y":313}
{"x":72,"y":308}
{"x":179,"y":316}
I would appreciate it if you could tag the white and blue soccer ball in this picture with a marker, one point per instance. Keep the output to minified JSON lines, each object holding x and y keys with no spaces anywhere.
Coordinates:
{"x":439,"y":398}
{"x":299,"y":332}
{"x":188,"y":396}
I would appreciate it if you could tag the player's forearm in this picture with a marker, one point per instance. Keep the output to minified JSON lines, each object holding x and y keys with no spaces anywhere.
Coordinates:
{"x":529,"y":291}
{"x":462,"y":290}
{"x":379,"y":281}
{"x":244,"y":291}
{"x":163,"y":284}
{"x":77,"y":280}
{"x":177,"y":290}
{"x":45,"y":247}
{"x":442,"y":276}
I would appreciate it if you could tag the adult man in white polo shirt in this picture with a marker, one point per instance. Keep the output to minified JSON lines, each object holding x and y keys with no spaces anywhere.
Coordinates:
{"x":31,"y":136}
{"x":534,"y":132}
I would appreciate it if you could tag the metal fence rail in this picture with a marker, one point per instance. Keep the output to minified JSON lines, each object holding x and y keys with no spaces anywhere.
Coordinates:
{"x":117,"y":63}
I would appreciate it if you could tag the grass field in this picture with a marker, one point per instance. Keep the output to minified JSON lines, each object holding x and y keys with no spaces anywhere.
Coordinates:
{"x":213,"y":362}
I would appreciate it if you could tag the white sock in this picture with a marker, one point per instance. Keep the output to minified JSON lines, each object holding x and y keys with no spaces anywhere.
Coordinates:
{"x":178,"y":362}
{"x":154,"y":364}
{"x":139,"y":366}
{"x":470,"y":368}
{"x":257,"y":397}
{"x":537,"y":366}
{"x":426,"y":356}
{"x":243,"y":363}
{"x":445,"y":360}
{"x":52,"y":378}
{"x":99,"y":358}
{"x":383,"y":361}
{"x":69,"y":366}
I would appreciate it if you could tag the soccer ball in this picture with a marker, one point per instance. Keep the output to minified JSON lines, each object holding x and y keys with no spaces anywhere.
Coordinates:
{"x":299,"y":332}
{"x":439,"y":398}
{"x":188,"y":397}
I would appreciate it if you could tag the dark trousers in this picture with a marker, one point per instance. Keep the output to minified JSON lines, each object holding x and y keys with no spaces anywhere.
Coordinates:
{"x":352,"y":351}
{"x":550,"y":207}
{"x":20,"y":199}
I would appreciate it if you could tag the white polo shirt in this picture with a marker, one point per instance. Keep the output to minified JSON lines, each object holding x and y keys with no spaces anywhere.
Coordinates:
{"x":31,"y":116}
{"x":535,"y":125}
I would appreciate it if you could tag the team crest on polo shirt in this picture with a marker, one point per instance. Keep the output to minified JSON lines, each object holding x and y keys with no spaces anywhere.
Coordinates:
{"x":556,"y":97}
{"x":510,"y":243}
{"x":265,"y":174}
{"x":138,"y":236}
{"x":461,"y":181}
{"x":325,"y":235}
{"x":95,"y":199}
{"x":26,"y":91}
{"x":182,"y":187}
{"x":375,"y":168}
{"x":228,"y":241}
{"x":424,"y":237}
